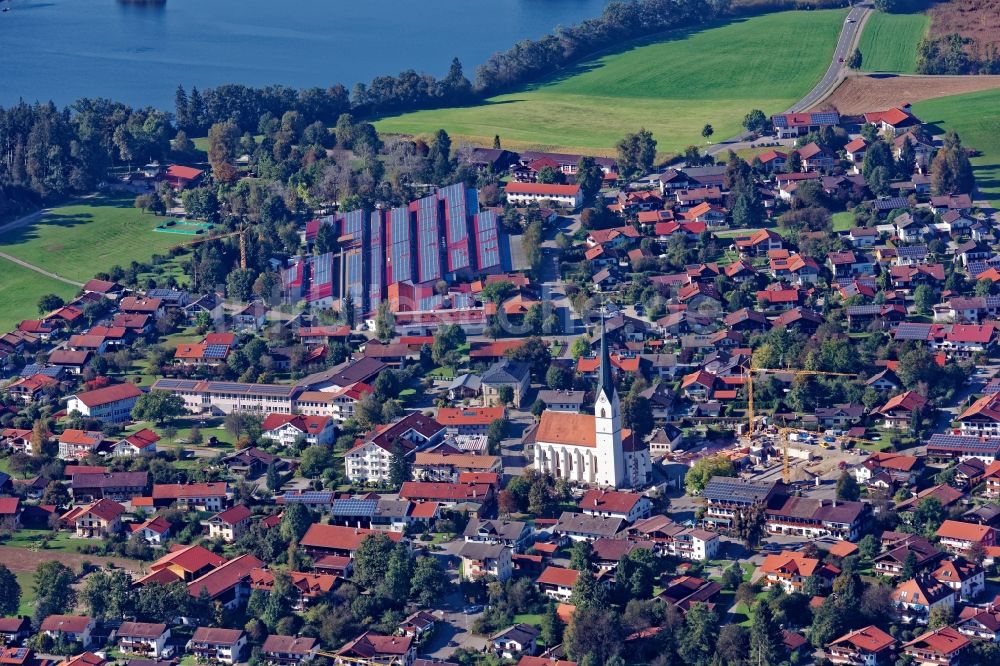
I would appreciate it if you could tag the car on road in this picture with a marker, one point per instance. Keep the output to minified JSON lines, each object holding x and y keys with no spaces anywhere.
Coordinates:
{"x":472,"y":610}
{"x":452,"y":643}
{"x":840,"y":60}
{"x":850,"y":20}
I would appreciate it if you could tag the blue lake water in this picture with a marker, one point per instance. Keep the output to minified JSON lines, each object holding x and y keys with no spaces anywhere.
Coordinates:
{"x":66,"y":49}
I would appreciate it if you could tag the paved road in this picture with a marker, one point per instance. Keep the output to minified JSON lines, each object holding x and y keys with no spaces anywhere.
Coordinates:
{"x":849,"y":37}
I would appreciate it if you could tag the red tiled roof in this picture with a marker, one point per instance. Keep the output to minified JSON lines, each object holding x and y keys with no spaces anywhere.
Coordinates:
{"x":183,"y":172}
{"x":455,"y":416}
{"x":542,"y":189}
{"x":219,"y":580}
{"x":74,"y":624}
{"x":189,"y":558}
{"x":956,"y":529}
{"x":558,"y":576}
{"x":108,"y":394}
{"x":613,"y":501}
{"x":336,"y":537}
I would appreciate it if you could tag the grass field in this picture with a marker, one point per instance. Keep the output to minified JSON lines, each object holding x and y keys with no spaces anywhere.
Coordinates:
{"x":889,"y":42}
{"x":843,"y":221}
{"x":20,"y":289}
{"x":26,"y":580}
{"x":672,"y":87}
{"x":89,"y":236}
{"x":974,"y":116}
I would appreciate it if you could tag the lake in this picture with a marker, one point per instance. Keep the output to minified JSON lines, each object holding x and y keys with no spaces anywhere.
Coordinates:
{"x":66,"y":49}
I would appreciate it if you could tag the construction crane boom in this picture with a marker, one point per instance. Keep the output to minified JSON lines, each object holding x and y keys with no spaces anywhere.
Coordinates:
{"x":750,"y":372}
{"x":242,"y":233}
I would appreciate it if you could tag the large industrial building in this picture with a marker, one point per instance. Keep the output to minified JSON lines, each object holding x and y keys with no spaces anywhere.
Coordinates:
{"x":384,"y":253}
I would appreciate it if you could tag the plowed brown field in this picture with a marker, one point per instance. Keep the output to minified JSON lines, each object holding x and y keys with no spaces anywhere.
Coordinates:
{"x":861,"y":93}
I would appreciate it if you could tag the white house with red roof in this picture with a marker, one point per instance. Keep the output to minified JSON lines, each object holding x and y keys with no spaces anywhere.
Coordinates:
{"x":69,"y":628}
{"x":154,"y":530}
{"x":615,"y":504}
{"x":10,"y":513}
{"x":894,"y":121}
{"x":368,"y":461}
{"x":959,"y":537}
{"x":940,"y":647}
{"x":868,"y":646}
{"x":181,"y":177}
{"x":286,"y":429}
{"x":570,"y":196}
{"x":95,"y":520}
{"x":78,"y":443}
{"x":112,"y":404}
{"x":138,"y":443}
{"x":229,"y":525}
{"x":898,"y":411}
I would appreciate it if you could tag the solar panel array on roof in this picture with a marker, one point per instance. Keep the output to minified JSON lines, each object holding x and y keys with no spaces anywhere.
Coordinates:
{"x":456,"y":209}
{"x":400,"y":265}
{"x":963,"y":443}
{"x":891,"y":203}
{"x":909,"y":330}
{"x":825,"y":118}
{"x":354,"y":507}
{"x":355,"y":277}
{"x":352,"y":224}
{"x":168,"y":384}
{"x":735,"y":490}
{"x":309,"y":496}
{"x":239,"y":388}
{"x":321,"y":276}
{"x":376,"y":260}
{"x":487,"y":241}
{"x":216,"y":351}
{"x":428,"y":239}
{"x":861,"y":310}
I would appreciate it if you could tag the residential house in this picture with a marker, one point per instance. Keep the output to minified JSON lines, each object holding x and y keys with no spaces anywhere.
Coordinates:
{"x":154,"y":530}
{"x":914,"y":599}
{"x":514,"y":374}
{"x":95,"y":520}
{"x":512,"y":642}
{"x":967,"y":579}
{"x":371,"y":649}
{"x":78,"y":443}
{"x":959,"y":538}
{"x":229,"y":525}
{"x":627,"y":506}
{"x":899,"y":412}
{"x":221,"y":645}
{"x":288,"y":650}
{"x":146,"y":639}
{"x":368,"y":461}
{"x":141,"y":443}
{"x":486,"y":559}
{"x":789,"y":570}
{"x":69,"y":629}
{"x":512,"y":533}
{"x":869,"y":646}
{"x":940,"y":647}
{"x":287,"y":429}
{"x":211,"y":496}
{"x":557,"y":582}
{"x":112,"y":404}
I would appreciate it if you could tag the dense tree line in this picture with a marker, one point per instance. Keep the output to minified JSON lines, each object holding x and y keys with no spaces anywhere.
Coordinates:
{"x":48,"y":153}
{"x":955,"y":54}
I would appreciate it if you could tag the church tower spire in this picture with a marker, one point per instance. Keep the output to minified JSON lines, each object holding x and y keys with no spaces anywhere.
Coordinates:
{"x":611,"y":470}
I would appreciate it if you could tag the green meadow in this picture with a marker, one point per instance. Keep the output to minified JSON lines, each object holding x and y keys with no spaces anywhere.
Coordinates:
{"x":889,"y":42}
{"x":974,"y":116}
{"x":671,"y":85}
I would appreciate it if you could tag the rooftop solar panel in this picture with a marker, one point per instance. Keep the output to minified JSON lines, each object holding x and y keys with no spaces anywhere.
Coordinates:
{"x":376,"y":260}
{"x":354,"y":507}
{"x":912,"y":331}
{"x":487,"y":240}
{"x":428,"y":237}
{"x":216,"y":351}
{"x":399,"y":267}
{"x":321,"y":276}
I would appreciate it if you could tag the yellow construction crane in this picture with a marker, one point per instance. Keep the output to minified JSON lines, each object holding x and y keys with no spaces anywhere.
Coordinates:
{"x":750,"y":372}
{"x":243,"y":242}
{"x":340,"y":659}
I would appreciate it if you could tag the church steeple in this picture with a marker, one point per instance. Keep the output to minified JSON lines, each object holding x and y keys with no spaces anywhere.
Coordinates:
{"x":605,"y":382}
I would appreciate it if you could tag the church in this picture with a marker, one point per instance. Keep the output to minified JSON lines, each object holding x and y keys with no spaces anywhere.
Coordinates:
{"x":593,"y":449}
